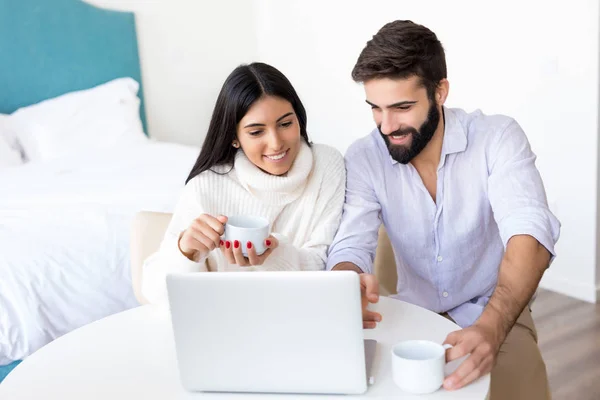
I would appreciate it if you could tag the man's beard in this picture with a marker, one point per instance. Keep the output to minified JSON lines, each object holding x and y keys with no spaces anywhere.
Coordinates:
{"x":404,"y":154}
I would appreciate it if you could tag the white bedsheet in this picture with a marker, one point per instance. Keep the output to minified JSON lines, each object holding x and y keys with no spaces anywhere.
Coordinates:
{"x":64,"y":237}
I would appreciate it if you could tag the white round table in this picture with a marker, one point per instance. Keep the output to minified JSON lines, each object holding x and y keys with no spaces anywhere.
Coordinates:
{"x":131,"y":355}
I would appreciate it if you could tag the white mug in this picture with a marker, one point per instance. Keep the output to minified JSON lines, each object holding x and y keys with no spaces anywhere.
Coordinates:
{"x":247,"y":228}
{"x":418,"y":365}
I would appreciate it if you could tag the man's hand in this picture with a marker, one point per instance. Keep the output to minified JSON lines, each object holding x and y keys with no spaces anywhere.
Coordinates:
{"x":482,"y":342}
{"x":369,"y":293}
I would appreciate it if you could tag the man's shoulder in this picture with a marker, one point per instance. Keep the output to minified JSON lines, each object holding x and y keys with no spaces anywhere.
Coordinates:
{"x":477,"y":121}
{"x":483,"y":128}
{"x":366,"y":148}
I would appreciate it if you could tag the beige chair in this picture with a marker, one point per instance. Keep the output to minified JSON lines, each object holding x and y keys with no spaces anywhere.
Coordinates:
{"x":149,"y":228}
{"x":385,"y":265}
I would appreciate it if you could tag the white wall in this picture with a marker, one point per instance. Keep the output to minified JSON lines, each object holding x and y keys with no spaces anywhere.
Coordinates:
{"x":536,"y":61}
{"x":187,"y":49}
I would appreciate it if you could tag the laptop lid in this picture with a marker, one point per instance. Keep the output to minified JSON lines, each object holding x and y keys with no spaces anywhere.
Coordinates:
{"x":278,"y":332}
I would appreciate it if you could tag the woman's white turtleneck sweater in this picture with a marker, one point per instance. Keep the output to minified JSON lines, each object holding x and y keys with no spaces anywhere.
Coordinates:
{"x":304,"y":208}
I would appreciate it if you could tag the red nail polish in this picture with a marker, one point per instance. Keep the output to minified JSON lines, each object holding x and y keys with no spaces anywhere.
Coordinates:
{"x":228,"y":244}
{"x":268,"y":242}
{"x":249,"y":245}
{"x":221,"y":243}
{"x":236,"y":244}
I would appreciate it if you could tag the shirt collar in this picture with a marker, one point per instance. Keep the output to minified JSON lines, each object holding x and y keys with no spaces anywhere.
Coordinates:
{"x":455,"y":137}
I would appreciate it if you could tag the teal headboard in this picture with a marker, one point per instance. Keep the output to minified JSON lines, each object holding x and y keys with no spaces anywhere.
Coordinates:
{"x":51,"y":47}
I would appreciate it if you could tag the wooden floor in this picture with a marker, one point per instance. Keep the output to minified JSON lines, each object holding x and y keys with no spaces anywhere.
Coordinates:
{"x":569,"y":338}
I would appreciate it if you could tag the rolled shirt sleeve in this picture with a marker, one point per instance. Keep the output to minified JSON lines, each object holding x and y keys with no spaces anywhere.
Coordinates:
{"x":516,"y":191}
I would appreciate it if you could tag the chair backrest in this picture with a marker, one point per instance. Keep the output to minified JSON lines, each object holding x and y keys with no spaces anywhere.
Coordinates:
{"x":147,"y":232}
{"x":149,"y":229}
{"x":384,"y":265}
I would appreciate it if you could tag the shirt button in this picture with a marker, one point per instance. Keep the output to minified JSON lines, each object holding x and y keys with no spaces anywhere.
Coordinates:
{"x":445,"y":294}
{"x":440,"y":258}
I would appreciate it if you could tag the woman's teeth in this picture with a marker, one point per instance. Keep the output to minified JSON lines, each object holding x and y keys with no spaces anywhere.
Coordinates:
{"x":277,"y":156}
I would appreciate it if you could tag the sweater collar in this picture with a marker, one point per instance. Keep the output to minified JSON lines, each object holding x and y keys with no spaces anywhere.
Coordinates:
{"x":272,"y":189}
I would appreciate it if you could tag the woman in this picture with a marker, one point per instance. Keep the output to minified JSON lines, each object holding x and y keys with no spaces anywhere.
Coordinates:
{"x":256,"y":160}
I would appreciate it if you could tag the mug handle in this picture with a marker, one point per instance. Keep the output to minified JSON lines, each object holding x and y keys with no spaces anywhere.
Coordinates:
{"x":446,"y":347}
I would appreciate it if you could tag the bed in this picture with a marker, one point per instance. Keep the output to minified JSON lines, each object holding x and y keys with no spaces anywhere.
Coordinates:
{"x":86,"y":169}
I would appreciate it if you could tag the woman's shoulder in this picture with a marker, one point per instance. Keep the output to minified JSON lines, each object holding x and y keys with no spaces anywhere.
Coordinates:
{"x":325,"y":155}
{"x":216,"y":173}
{"x":328,"y":162}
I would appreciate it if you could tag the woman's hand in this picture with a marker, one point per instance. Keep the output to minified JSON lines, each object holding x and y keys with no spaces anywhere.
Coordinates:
{"x":233,"y":252}
{"x":202,"y":236}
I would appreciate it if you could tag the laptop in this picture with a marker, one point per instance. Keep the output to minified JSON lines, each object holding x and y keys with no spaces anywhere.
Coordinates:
{"x":270,"y":332}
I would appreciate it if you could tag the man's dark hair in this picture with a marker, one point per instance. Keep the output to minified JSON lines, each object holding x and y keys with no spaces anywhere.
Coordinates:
{"x":402,"y":49}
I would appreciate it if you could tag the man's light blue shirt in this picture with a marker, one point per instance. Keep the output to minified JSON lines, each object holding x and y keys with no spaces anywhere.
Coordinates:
{"x":447,"y":252}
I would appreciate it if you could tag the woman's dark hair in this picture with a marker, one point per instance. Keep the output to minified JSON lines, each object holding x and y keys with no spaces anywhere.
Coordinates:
{"x":244,"y":86}
{"x":402,"y":49}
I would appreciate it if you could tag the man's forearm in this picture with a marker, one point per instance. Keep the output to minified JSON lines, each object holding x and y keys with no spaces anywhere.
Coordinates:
{"x":347,"y":266}
{"x":522,"y":267}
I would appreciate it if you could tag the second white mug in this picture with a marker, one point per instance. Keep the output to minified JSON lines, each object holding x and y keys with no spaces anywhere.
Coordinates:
{"x":418,"y":365}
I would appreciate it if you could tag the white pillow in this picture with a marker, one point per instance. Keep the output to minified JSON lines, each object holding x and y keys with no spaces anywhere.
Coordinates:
{"x":9,"y":150}
{"x":80,"y":122}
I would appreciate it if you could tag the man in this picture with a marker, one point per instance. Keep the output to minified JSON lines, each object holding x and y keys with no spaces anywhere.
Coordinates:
{"x":464,"y":207}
